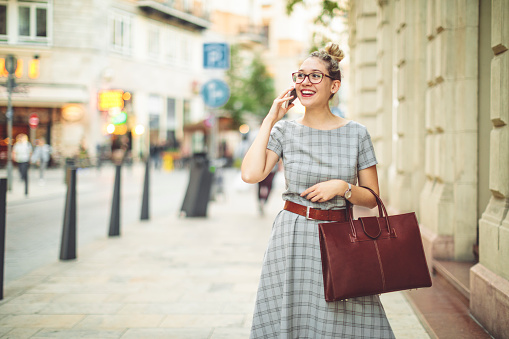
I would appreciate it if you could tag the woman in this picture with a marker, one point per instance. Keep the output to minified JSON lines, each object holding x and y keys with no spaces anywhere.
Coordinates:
{"x":323,"y":156}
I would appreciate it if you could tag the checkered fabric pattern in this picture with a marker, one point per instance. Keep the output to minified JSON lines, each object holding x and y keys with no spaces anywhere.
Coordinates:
{"x":290,"y":301}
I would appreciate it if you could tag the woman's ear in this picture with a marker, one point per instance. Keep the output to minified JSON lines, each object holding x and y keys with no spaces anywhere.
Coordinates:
{"x":335,"y":86}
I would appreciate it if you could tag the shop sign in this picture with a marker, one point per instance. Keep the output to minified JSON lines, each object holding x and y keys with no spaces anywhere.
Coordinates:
{"x":72,"y":112}
{"x":33,"y":120}
{"x":119,"y":119}
{"x":109,"y":99}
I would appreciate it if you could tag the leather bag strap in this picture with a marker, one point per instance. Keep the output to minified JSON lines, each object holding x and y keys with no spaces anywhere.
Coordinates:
{"x":382,"y":212}
{"x":379,"y":202}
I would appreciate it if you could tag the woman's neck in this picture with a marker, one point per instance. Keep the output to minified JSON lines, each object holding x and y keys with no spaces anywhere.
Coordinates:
{"x":321,"y":119}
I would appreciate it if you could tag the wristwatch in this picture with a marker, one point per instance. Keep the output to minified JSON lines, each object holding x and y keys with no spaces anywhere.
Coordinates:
{"x":348,"y":192}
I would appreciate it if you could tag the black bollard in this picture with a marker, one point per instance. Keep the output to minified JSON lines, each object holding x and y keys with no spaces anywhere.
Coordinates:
{"x":115,"y":205}
{"x":198,"y":190}
{"x":68,"y":244}
{"x":3,"y":202}
{"x":145,"y":199}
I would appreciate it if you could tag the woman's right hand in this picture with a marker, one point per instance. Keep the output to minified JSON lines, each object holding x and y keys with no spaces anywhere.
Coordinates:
{"x":277,"y":110}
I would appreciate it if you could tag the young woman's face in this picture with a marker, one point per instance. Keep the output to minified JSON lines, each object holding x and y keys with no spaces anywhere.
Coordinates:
{"x":311,"y":94}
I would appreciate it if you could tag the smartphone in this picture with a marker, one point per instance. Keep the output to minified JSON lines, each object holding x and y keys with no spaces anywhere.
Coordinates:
{"x":294,"y":94}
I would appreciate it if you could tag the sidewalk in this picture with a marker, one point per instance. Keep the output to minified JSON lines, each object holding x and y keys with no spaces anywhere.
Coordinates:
{"x":167,"y":278}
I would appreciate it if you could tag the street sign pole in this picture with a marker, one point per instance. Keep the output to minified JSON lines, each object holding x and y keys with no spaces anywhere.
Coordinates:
{"x":11,"y":66}
{"x":215,"y":94}
{"x":33,"y":122}
{"x":9,"y":133}
{"x":213,"y":145}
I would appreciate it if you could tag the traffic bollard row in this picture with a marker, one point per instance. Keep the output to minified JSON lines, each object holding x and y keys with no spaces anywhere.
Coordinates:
{"x":145,"y":198}
{"x":115,"y":205}
{"x":68,"y":244}
{"x":3,"y":202}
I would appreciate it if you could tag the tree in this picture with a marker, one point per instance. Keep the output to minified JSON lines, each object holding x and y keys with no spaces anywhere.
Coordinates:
{"x":330,"y":11}
{"x":251,"y":86}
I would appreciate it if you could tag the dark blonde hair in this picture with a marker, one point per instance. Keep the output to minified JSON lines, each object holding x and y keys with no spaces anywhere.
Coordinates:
{"x":331,"y":55}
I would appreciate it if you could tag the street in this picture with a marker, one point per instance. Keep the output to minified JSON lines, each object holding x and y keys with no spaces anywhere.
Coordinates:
{"x":34,"y":223}
{"x":168,"y":277}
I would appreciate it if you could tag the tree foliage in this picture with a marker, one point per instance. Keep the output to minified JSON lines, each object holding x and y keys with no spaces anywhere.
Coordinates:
{"x":329,"y":11}
{"x":251,"y":86}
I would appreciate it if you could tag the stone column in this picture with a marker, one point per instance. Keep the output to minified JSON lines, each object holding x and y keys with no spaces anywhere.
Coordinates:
{"x":384,"y":79}
{"x":489,"y":280}
{"x":363,"y":82}
{"x":449,"y":196}
{"x":410,"y":84}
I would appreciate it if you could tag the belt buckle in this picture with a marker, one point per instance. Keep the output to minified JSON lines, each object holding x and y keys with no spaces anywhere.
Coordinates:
{"x":308,"y":208}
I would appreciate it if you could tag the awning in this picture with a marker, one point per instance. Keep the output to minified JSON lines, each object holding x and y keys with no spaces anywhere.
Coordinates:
{"x":172,"y":13}
{"x":46,"y":95}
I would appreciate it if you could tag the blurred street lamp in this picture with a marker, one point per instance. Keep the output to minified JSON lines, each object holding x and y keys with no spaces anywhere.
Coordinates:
{"x":244,"y":129}
{"x":11,"y":64}
{"x":139,"y":130}
{"x":110,"y":128}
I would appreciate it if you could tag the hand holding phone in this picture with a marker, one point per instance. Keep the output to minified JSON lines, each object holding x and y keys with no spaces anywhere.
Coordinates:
{"x":294,"y":94}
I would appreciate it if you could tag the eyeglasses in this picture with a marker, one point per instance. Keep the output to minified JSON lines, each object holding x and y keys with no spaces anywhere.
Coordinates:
{"x":314,"y":78}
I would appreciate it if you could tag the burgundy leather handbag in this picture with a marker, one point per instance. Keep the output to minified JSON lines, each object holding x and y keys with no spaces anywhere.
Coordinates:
{"x":372,"y":255}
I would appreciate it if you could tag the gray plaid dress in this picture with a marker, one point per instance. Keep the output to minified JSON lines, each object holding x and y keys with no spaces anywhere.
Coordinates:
{"x":290,"y":302}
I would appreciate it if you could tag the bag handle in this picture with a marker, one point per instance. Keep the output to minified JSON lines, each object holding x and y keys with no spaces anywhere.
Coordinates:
{"x":382,"y":212}
{"x":379,"y":202}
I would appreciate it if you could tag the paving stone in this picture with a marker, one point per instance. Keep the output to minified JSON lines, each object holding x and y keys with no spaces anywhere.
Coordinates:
{"x":119,"y":321}
{"x":26,"y":308}
{"x":174,"y":308}
{"x":78,"y":334}
{"x":40,"y":321}
{"x":230,"y":333}
{"x":164,"y":333}
{"x":76,"y":308}
{"x":202,"y":320}
{"x":18,"y":333}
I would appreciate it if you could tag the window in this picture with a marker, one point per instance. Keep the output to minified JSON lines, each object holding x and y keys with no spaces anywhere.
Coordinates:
{"x":171,"y":48}
{"x":33,"y":21}
{"x":171,"y":122}
{"x":185,"y":52}
{"x":171,"y":119}
{"x":153,"y":41}
{"x":187,"y":112}
{"x":121,"y":32}
{"x":3,"y":21}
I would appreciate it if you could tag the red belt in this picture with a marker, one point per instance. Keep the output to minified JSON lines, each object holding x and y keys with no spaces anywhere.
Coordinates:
{"x":316,"y":214}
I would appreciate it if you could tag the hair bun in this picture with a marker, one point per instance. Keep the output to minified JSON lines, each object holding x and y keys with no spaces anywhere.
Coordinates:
{"x":334,"y":51}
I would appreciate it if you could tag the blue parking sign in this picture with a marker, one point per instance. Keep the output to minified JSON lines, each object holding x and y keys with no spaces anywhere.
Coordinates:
{"x":216,"y":56}
{"x":215,"y":93}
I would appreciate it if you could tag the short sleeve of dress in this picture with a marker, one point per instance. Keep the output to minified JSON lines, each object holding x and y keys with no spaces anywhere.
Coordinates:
{"x":276,"y":139}
{"x":367,"y":156}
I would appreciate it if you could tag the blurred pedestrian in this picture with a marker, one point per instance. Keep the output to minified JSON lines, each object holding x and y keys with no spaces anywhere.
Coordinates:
{"x":323,"y":157}
{"x":155,"y":154}
{"x":21,"y":153}
{"x":41,"y":157}
{"x":264,"y":189}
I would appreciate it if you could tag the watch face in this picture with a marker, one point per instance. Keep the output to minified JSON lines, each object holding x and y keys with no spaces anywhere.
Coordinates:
{"x":348,"y":194}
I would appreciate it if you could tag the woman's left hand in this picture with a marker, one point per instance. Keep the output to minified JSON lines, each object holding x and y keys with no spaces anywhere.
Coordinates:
{"x":324,"y":191}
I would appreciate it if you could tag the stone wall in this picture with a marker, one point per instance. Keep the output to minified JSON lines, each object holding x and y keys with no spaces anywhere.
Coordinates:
{"x":489,"y":279}
{"x":425,"y":124}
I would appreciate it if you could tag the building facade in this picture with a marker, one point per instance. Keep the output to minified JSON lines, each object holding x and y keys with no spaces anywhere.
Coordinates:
{"x":430,"y":81}
{"x":98,"y":59}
